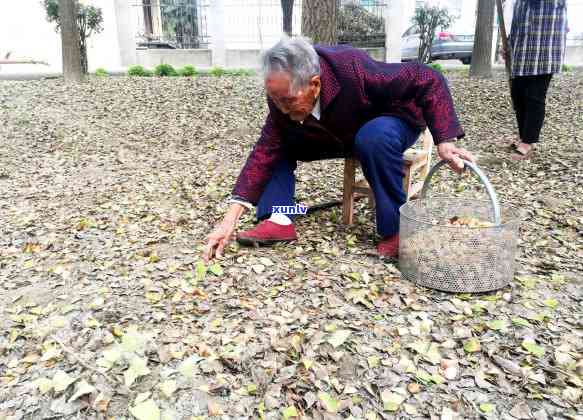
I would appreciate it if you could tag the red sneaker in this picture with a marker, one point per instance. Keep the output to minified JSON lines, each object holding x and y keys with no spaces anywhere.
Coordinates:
{"x":389,"y":247}
{"x":267,"y":233}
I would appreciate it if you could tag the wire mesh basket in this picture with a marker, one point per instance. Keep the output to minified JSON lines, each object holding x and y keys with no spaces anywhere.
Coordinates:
{"x":452,"y":257}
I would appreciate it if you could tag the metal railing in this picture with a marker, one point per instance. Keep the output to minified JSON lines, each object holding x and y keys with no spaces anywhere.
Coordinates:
{"x":258,"y":23}
{"x":253,"y":24}
{"x":172,"y":23}
{"x":361,"y":23}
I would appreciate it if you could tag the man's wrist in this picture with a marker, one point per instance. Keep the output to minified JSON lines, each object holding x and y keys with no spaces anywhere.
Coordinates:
{"x":241,"y":201}
{"x":445,"y":145}
{"x":446,"y":141}
{"x":234,"y":213}
{"x":236,"y":208}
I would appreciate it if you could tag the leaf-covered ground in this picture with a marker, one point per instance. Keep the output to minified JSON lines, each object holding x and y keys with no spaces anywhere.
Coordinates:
{"x":107,"y":193}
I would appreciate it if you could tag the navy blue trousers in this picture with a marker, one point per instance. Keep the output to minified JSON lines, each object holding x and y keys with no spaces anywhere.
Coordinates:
{"x":379,"y":146}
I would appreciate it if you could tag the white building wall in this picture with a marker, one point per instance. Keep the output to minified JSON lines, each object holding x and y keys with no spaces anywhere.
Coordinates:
{"x":26,"y":33}
{"x":575,"y":18}
{"x":103,"y":48}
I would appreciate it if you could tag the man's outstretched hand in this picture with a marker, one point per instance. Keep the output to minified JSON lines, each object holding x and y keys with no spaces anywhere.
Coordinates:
{"x":222,"y":234}
{"x":454,"y":155}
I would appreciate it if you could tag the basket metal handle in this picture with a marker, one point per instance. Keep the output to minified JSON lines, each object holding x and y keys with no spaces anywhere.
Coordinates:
{"x":483,"y":179}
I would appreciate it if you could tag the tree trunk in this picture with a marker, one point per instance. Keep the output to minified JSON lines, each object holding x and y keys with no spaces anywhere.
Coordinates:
{"x":287,"y":8}
{"x":498,"y":42}
{"x":72,"y":70}
{"x":426,"y":33}
{"x":83,"y":34}
{"x":482,"y":54}
{"x":84,"y":62}
{"x":504,"y":37}
{"x":319,"y":21}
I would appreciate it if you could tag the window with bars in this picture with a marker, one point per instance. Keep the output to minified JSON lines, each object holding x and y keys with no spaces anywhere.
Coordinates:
{"x":173,"y":23}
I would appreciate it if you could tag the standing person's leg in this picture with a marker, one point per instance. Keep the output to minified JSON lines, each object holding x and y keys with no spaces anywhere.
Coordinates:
{"x":280,"y":191}
{"x":379,"y":146}
{"x":536,"y":95}
{"x":518,"y":94}
{"x":535,"y":92}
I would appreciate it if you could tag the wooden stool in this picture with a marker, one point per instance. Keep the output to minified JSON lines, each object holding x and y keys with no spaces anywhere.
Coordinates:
{"x":416,"y":161}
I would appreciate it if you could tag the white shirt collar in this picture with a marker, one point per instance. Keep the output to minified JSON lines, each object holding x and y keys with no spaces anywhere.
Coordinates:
{"x":316,"y":110}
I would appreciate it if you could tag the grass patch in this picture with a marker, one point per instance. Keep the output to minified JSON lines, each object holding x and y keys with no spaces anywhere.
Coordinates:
{"x":436,"y":66}
{"x":101,"y":72}
{"x":566,"y":68}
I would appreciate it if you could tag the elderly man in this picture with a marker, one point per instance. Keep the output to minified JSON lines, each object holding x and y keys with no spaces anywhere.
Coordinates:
{"x":333,"y":102}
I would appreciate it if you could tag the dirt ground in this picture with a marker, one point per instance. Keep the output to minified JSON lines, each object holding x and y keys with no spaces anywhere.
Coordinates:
{"x":108,"y":190}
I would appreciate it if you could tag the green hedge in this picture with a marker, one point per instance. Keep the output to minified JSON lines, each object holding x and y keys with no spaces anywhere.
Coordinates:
{"x":101,"y":72}
{"x":187,"y":71}
{"x":164,"y":70}
{"x":139,"y":71}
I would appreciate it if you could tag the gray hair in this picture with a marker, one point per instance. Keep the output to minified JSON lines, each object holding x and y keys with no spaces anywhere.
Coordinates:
{"x":295,"y":56}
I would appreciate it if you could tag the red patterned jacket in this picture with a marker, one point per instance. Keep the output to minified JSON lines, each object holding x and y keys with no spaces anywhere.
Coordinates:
{"x":355,"y":89}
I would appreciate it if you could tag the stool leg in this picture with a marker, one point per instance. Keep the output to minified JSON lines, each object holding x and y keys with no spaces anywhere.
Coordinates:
{"x":407,"y":181}
{"x":348,"y":193}
{"x":371,"y":202}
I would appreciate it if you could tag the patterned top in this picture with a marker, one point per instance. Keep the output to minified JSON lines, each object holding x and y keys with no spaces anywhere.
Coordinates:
{"x":355,"y":89}
{"x":538,"y":37}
